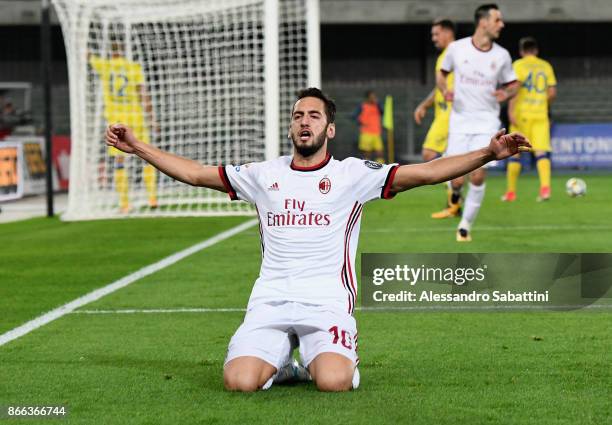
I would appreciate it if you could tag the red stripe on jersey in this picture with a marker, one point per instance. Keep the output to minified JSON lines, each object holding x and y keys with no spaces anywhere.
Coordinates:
{"x":226,"y":183}
{"x":312,"y":167}
{"x":347,"y":253}
{"x":261,"y":237}
{"x":348,"y":295}
{"x":348,"y":256}
{"x":347,"y":276}
{"x":343,"y":275}
{"x":386,"y":190}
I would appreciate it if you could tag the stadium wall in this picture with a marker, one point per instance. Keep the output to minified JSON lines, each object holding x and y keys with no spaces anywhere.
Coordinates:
{"x":394,"y":59}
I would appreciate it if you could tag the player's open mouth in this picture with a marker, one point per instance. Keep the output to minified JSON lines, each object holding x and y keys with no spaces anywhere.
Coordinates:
{"x":305,"y":135}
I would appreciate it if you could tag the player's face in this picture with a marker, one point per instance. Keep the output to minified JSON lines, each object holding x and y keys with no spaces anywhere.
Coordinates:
{"x":309,"y":128}
{"x":441,"y":37}
{"x":493,"y":24}
{"x":436,"y":36}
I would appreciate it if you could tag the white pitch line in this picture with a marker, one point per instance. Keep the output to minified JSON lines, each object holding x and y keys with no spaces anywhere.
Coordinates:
{"x":161,"y":310}
{"x":121,"y":283}
{"x":403,"y":308}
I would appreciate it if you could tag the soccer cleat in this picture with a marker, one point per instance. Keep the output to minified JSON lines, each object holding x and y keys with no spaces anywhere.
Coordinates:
{"x":463,"y":235}
{"x":509,"y":197}
{"x":292,"y":372}
{"x":544,"y":194}
{"x":453,"y":211}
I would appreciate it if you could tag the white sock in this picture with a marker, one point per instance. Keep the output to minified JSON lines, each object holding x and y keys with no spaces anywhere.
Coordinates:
{"x":472,"y":204}
{"x":356,"y":379}
{"x":268,"y":383}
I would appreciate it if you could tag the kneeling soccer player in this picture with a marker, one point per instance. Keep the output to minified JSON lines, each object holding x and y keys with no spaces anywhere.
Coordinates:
{"x":309,"y":207}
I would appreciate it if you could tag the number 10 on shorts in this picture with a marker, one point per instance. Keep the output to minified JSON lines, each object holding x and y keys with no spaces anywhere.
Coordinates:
{"x":343,"y":336}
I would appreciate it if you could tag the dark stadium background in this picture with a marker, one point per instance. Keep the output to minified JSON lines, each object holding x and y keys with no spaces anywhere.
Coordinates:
{"x":391,"y":58}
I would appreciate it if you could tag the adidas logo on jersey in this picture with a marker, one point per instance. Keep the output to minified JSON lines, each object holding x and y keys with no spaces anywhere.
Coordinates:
{"x":274,"y":186}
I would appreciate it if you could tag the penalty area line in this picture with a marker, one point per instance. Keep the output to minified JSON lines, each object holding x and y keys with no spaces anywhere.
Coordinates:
{"x":161,"y":310}
{"x":121,"y":283}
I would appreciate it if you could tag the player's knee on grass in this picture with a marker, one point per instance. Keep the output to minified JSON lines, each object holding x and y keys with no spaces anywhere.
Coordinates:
{"x":246,"y":374}
{"x":335,"y":380}
{"x":332,"y":372}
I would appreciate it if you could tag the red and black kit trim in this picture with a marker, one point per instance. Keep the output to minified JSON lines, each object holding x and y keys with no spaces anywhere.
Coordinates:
{"x":346,"y":274}
{"x":386,"y":190}
{"x":228,"y":186}
{"x":261,"y":235}
{"x":478,"y":48}
{"x":313,"y":167}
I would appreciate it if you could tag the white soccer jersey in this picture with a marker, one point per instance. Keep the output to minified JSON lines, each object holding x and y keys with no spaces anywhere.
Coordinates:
{"x":309,"y":222}
{"x":478,"y":73}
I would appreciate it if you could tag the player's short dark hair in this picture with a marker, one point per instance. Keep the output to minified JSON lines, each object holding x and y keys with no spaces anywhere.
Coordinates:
{"x":528,"y":44}
{"x":446,"y":24}
{"x":483,"y":11}
{"x":330,"y":105}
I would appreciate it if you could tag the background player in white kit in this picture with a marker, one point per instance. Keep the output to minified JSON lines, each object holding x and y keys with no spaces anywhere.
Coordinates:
{"x":309,"y":206}
{"x":484,"y":78}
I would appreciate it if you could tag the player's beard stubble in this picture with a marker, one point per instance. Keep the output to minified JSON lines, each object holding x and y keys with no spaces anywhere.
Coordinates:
{"x":309,"y":150}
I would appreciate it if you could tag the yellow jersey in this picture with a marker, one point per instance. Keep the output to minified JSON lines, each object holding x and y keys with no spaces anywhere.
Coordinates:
{"x":442,"y":108}
{"x":120,"y":80}
{"x":536,"y":76}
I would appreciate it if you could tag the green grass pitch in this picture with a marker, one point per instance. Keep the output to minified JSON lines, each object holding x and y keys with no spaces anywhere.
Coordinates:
{"x":416,"y":367}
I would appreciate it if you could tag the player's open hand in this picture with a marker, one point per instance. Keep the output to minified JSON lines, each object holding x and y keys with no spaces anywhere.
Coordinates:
{"x":505,"y":145}
{"x":501,"y":95}
{"x":121,"y":137}
{"x":449,"y":95}
{"x":419,"y":114}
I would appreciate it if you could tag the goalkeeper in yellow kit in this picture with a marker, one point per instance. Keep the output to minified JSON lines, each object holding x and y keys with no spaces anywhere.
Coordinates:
{"x":528,"y":114}
{"x":127,"y":101}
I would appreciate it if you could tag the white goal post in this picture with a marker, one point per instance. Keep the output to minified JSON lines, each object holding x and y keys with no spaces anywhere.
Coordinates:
{"x":212,"y":80}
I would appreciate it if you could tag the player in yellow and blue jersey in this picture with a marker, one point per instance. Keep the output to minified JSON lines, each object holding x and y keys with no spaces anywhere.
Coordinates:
{"x":126,"y":100}
{"x":528,"y":114}
{"x":442,"y":34}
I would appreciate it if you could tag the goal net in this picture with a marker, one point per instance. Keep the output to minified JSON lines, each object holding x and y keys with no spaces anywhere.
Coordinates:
{"x":209,"y":80}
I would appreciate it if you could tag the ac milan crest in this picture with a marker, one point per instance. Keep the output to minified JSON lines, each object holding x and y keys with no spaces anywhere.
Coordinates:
{"x":324,"y":185}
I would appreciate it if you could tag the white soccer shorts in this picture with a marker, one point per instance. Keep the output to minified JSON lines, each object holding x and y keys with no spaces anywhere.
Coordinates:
{"x":267,"y":330}
{"x":460,"y":143}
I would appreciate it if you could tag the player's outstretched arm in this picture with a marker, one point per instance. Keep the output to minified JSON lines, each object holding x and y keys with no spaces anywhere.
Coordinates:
{"x":507,"y":92}
{"x":177,"y":167}
{"x":511,"y":114}
{"x":551,"y":93}
{"x":502,"y":146}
